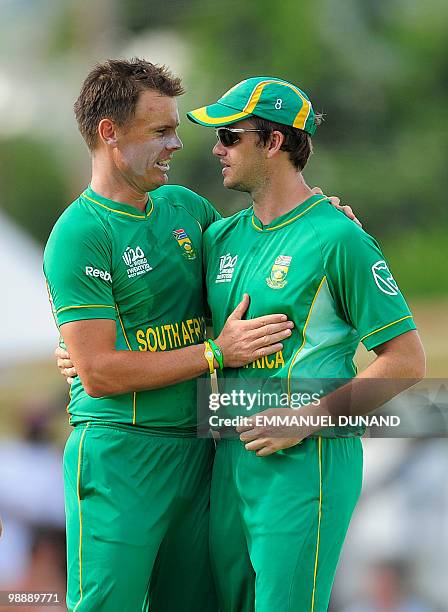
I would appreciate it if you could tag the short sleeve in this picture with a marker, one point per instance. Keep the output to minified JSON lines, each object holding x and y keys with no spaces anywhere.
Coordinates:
{"x":364,"y":288}
{"x":78,"y":270}
{"x":210,"y":214}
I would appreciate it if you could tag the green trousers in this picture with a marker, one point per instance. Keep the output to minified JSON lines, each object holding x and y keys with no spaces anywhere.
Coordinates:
{"x":277,"y":523}
{"x":137,"y":507}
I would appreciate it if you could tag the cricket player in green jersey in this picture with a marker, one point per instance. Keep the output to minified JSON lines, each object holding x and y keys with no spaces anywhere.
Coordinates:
{"x":124,"y":273}
{"x":282,"y":497}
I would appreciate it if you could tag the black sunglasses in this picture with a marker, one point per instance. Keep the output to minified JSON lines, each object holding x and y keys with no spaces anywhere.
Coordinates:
{"x":229,"y":137}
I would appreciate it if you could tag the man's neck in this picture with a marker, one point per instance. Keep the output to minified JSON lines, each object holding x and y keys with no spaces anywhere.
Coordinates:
{"x":279,"y":196}
{"x":110,"y":184}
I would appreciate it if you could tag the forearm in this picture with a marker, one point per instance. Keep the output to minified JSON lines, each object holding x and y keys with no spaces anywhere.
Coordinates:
{"x":105,"y":371}
{"x":116,"y":372}
{"x":389,"y":374}
{"x":369,"y":390}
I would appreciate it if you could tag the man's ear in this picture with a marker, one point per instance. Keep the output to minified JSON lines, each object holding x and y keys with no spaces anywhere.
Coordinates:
{"x":275,"y":142}
{"x":107,"y":132}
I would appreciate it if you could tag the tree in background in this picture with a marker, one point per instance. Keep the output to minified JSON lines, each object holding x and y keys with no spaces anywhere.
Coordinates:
{"x":376,"y":68}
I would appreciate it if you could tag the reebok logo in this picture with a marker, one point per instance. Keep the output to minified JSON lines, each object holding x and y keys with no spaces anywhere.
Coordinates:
{"x":91,"y":271}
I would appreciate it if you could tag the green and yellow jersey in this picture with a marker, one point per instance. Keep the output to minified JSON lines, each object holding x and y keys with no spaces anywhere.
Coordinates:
{"x":318,"y":267}
{"x":143,"y":270}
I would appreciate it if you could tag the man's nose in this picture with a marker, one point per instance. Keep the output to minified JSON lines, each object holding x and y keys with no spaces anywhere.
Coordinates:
{"x":175,"y":144}
{"x":219,"y":149}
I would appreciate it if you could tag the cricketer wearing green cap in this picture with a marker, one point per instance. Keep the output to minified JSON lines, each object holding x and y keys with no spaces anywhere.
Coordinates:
{"x":282,"y":498}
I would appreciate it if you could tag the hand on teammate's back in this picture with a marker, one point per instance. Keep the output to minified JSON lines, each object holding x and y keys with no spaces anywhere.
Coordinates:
{"x":336,"y":202}
{"x":66,"y":367}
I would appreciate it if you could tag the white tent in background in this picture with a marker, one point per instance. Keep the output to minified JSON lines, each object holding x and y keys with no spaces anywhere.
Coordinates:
{"x":27,"y":328}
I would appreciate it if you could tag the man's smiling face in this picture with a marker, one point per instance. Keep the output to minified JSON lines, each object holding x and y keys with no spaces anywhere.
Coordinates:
{"x":146,"y":143}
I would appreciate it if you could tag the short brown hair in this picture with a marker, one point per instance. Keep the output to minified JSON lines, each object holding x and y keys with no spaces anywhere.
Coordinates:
{"x":112,"y":89}
{"x":297,"y":142}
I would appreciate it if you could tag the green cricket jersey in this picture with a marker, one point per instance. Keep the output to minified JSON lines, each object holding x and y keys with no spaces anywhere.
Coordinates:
{"x":143,"y":270}
{"x":323,"y":271}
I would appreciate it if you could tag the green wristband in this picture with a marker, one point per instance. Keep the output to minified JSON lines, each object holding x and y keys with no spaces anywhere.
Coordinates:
{"x":217,"y":353}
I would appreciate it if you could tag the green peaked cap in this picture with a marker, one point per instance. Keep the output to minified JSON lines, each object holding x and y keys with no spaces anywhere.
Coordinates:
{"x":266,"y":97}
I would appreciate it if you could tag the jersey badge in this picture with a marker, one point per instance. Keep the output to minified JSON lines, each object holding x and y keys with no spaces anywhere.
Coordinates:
{"x":136,"y":262}
{"x":184,"y":242}
{"x":383,"y":278}
{"x":279,"y":272}
{"x":227,"y":265}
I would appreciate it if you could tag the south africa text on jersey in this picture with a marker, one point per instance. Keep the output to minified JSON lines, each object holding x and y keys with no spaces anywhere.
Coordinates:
{"x":171,"y":335}
{"x":271,"y":362}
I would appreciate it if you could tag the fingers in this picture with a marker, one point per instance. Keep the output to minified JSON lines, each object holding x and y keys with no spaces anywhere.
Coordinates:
{"x":257,"y":444}
{"x":244,"y":341}
{"x":267,"y":450}
{"x":240,"y":310}
{"x":268,"y":339}
{"x":247,"y":427}
{"x":351,"y":215}
{"x":274,"y":319}
{"x":64,"y":364}
{"x":348,"y":212}
{"x":267,"y":350}
{"x":336,"y":202}
{"x":317,"y":191}
{"x":249,"y":435}
{"x":61,"y":353}
{"x":268,"y":446}
{"x":69,"y":372}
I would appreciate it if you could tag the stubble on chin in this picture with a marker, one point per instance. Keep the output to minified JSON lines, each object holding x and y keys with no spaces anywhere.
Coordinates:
{"x":235,"y":186}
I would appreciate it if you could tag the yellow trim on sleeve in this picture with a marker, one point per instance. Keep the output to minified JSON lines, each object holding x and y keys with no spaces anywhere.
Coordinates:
{"x":124,"y":333}
{"x":293,"y":360}
{"x":50,"y":299}
{"x":134,"y":399}
{"x":385,"y":327}
{"x":275,"y":227}
{"x":78,"y":492}
{"x":85,"y":306}
{"x":319,"y":442}
{"x":122,"y":212}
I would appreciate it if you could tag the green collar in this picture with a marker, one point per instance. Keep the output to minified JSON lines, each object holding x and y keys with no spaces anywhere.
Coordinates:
{"x":118,"y":207}
{"x":290,"y":216}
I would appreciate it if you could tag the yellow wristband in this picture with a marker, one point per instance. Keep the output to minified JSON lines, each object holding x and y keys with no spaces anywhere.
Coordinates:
{"x":208,"y":354}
